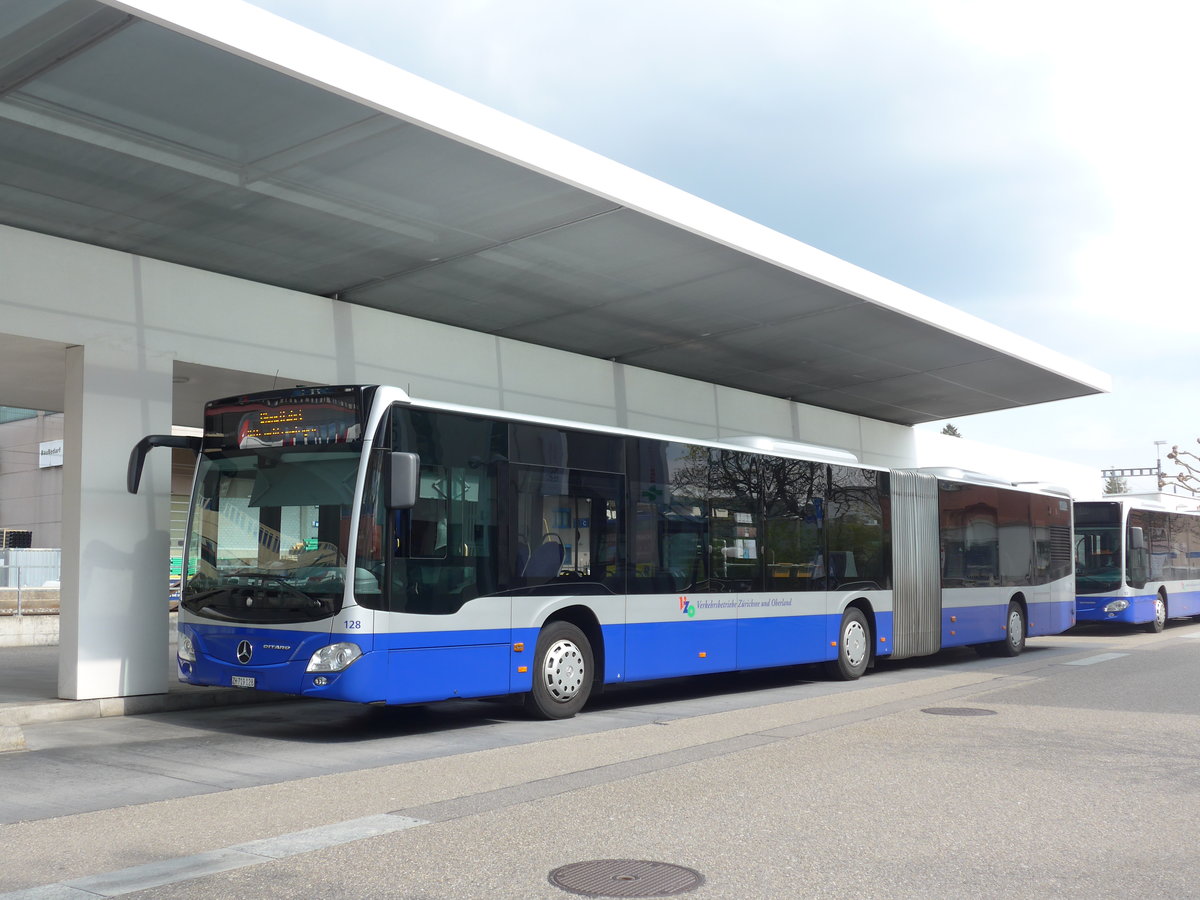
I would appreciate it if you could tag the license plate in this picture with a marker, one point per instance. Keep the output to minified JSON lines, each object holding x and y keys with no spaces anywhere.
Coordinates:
{"x":242,"y":681}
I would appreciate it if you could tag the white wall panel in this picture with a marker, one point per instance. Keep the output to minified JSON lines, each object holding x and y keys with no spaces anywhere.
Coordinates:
{"x":885,"y":444}
{"x":427,"y":359}
{"x":73,"y":291}
{"x":742,"y":413}
{"x":549,"y":382}
{"x":668,"y":404}
{"x":235,"y":324}
{"x":827,"y":428}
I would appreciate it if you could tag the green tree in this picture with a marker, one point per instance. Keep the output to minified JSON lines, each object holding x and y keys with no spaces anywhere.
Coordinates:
{"x":1115,"y":485}
{"x":951,"y":431}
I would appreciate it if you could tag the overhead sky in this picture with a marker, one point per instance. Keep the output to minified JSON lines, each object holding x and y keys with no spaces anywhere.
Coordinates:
{"x":1032,"y":162}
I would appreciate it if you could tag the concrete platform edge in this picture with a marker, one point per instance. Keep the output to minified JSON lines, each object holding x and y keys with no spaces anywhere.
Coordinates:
{"x":14,"y":716}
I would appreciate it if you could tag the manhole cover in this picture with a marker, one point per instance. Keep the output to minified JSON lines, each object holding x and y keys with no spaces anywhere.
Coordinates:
{"x":625,"y":878}
{"x":959,"y":711}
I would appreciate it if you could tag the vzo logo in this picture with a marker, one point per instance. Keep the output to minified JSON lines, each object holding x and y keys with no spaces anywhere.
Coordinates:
{"x":687,"y":607}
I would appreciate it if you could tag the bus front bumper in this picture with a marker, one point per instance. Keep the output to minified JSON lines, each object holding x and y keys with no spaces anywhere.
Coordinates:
{"x":1124,"y":610}
{"x":278,"y":664}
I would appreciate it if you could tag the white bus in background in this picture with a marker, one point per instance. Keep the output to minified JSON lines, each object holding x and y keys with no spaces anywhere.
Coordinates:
{"x":1137,"y":562}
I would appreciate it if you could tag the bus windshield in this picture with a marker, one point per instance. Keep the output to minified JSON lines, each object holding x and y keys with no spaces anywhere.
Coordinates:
{"x":268,"y":535}
{"x":1098,"y":565}
{"x":1098,"y":559}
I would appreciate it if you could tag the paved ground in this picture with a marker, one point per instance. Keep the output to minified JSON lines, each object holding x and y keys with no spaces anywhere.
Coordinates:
{"x":29,"y":695}
{"x":1077,"y":776}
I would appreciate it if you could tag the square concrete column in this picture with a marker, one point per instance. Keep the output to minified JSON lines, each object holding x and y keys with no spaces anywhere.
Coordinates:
{"x":115,"y":554}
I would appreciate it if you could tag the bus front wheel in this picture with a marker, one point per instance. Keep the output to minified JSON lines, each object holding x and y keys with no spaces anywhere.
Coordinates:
{"x":1159,"y":622}
{"x":562,"y":674}
{"x":854,"y":647}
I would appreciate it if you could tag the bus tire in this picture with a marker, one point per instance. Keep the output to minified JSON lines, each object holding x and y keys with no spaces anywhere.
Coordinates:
{"x":1159,"y":622}
{"x":562,"y":672}
{"x":854,"y":647}
{"x":1014,"y":631}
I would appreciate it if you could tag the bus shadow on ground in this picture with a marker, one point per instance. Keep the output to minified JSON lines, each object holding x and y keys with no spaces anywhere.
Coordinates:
{"x":327,"y":722}
{"x":331,"y":722}
{"x":1117,"y":629}
{"x":741,"y":689}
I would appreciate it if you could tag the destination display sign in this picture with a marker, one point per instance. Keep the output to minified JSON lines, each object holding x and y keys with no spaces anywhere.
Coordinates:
{"x":292,"y":419}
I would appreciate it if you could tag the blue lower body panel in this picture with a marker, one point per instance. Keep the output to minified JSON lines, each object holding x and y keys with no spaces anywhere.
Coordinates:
{"x":393,"y":668}
{"x":691,"y":647}
{"x":785,"y":641}
{"x":1139,"y":611}
{"x":1183,"y":603}
{"x":426,"y":666}
{"x":441,"y":673}
{"x":423,"y":667}
{"x":1091,"y":608}
{"x":1051,"y":618}
{"x":963,"y":625}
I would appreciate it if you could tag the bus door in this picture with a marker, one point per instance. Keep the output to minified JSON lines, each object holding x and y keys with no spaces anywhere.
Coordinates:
{"x":916,"y":560}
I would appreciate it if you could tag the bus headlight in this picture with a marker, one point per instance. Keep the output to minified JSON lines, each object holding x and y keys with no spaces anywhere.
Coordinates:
{"x":185,"y":649}
{"x":1117,"y":606}
{"x":334,"y":658}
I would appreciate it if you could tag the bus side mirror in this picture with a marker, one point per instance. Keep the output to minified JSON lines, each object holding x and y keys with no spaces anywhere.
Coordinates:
{"x":137,"y":457}
{"x":404,"y":476}
{"x":1137,"y":539}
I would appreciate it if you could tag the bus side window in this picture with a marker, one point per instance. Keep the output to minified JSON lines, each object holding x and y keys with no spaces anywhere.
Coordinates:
{"x":567,"y":527}
{"x":1138,"y":558}
{"x":427,"y":524}
{"x":669,"y":540}
{"x":856,"y":537}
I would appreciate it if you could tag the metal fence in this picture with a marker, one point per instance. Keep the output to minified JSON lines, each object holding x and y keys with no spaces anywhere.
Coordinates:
{"x":29,"y":581}
{"x":29,"y":568}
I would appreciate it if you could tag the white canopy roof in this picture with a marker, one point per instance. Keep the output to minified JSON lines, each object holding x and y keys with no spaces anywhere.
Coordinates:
{"x":213,"y":134}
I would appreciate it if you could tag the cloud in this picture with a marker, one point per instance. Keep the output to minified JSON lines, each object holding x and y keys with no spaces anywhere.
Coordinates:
{"x":1030,"y":162}
{"x":871,"y":130}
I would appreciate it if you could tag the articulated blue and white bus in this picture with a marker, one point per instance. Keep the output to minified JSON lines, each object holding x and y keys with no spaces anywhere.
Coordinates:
{"x":1136,"y":562}
{"x":351,"y":543}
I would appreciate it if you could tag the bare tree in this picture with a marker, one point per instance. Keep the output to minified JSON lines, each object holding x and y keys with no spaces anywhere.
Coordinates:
{"x":1189,"y":477}
{"x":951,"y":430}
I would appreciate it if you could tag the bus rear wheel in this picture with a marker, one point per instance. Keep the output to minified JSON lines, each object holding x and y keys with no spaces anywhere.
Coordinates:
{"x":854,"y":647}
{"x":1159,"y":622}
{"x":1014,"y":631}
{"x":562,"y":672}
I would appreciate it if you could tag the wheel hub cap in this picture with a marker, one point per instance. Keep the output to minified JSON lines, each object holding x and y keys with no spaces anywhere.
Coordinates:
{"x":563,"y":670}
{"x":854,"y":641}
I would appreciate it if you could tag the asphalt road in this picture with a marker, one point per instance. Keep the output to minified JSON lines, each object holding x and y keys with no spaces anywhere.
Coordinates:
{"x":1072,"y":771}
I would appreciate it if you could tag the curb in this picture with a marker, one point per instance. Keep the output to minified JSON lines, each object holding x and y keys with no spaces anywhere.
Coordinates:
{"x":14,"y":716}
{"x":11,"y":738}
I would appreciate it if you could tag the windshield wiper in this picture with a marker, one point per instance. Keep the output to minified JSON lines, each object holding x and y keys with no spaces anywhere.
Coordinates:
{"x":267,"y":581}
{"x":266,"y":599}
{"x":260,"y":573}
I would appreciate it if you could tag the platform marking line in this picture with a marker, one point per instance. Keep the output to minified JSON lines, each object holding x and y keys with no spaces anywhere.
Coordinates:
{"x":1092,"y":660}
{"x":555,"y":785}
{"x":198,"y":865}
